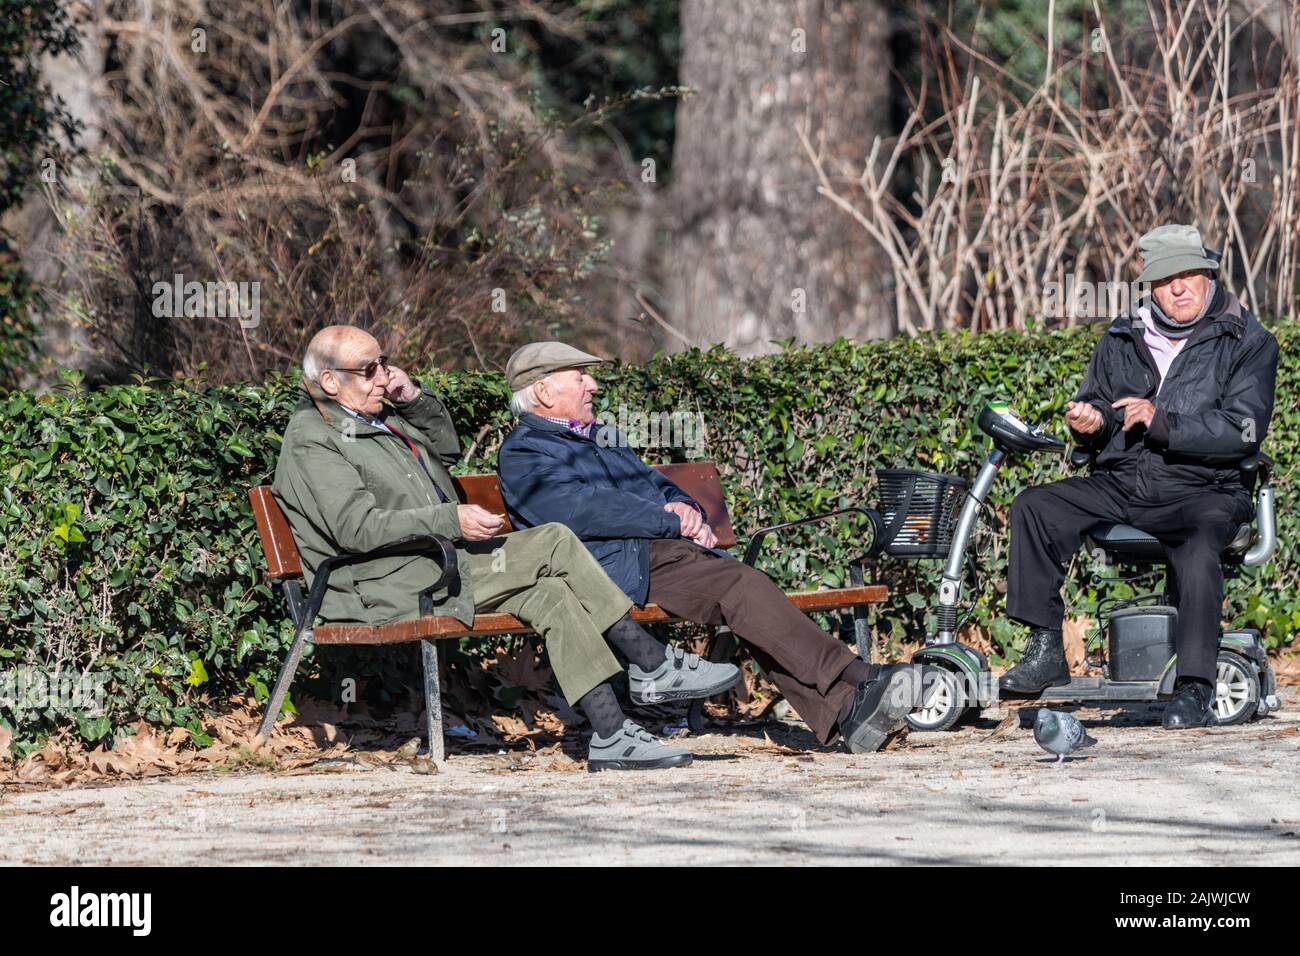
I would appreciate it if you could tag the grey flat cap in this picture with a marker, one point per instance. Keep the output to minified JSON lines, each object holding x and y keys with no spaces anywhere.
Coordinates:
{"x":536,"y":360}
{"x":1169,"y":250}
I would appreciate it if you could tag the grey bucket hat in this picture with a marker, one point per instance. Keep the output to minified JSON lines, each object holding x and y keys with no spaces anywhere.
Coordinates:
{"x":1169,"y":250}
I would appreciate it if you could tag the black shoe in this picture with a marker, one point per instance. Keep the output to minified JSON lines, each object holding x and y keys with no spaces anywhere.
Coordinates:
{"x":1042,"y":666}
{"x":880,"y":707}
{"x":1192,"y":706}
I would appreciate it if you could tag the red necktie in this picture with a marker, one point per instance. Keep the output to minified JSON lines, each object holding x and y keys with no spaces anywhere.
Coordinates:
{"x":414,"y":451}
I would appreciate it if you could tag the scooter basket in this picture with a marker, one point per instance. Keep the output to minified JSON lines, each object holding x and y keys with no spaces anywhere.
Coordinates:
{"x":920,"y":510}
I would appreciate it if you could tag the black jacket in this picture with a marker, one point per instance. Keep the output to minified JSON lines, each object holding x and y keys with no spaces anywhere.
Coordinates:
{"x":1212,"y":410}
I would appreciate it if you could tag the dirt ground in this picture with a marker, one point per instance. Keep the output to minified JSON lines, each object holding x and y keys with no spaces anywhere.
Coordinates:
{"x":984,"y":793}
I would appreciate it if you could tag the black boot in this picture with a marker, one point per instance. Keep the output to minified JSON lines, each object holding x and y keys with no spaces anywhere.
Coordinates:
{"x":1191,"y":706}
{"x":1043,"y":665}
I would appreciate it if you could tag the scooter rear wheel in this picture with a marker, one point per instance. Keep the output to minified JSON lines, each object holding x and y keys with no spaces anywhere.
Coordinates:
{"x":1236,"y":689}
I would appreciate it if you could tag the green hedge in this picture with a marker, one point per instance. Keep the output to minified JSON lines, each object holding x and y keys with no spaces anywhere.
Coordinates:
{"x":129,"y":548}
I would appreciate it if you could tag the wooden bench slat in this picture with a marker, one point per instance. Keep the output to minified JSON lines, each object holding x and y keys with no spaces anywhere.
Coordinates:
{"x":282,"y":559}
{"x":449,"y":627}
{"x":700,"y":480}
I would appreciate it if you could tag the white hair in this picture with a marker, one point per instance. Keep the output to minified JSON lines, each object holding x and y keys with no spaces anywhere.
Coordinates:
{"x":315,"y":361}
{"x":524,"y":400}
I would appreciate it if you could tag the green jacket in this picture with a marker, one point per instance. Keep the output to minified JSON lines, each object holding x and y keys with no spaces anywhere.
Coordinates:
{"x":347,"y":486}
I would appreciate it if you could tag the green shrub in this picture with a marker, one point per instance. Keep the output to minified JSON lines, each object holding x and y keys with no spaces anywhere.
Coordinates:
{"x":129,"y":548}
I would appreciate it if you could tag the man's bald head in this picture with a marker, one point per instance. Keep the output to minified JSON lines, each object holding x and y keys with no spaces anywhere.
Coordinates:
{"x":337,"y":346}
{"x":336,"y":360}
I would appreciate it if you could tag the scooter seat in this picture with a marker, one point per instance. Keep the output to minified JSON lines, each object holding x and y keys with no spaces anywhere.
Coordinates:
{"x":1128,"y":542}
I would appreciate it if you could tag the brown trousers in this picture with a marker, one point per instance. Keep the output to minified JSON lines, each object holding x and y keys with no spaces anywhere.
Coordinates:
{"x":799,"y":657}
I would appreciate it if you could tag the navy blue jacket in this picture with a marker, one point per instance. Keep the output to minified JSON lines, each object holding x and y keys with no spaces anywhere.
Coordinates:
{"x":597,"y":486}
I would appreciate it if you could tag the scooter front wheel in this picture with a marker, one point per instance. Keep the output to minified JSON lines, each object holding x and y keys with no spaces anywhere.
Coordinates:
{"x":943,"y":700}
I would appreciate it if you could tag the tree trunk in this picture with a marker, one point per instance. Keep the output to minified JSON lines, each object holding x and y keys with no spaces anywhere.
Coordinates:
{"x":74,"y":79}
{"x":758,"y":254}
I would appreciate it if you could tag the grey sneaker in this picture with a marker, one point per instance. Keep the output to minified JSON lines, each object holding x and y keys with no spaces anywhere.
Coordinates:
{"x":633,"y":748}
{"x":880,"y":707}
{"x":681,"y":676}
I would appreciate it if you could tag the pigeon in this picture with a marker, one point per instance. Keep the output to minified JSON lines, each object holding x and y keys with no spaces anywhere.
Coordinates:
{"x":1060,"y":734}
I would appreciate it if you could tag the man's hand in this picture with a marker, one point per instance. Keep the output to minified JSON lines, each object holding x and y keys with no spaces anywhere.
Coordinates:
{"x":689,"y":517}
{"x":478,"y":524}
{"x":706,"y":537}
{"x":1135,"y":410}
{"x":1083,"y":417}
{"x":400,"y":387}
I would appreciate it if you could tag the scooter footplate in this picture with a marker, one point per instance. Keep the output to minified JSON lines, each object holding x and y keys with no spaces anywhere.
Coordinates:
{"x":1098,"y":688}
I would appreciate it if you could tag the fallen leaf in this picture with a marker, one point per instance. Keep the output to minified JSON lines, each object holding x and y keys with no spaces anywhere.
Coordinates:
{"x":33,"y":770}
{"x":1286,"y":668}
{"x":510,"y":726}
{"x":144,"y":746}
{"x":777,"y":748}
{"x":112,"y":763}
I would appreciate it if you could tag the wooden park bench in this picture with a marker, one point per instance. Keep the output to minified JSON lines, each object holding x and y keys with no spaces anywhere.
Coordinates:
{"x":699,"y":480}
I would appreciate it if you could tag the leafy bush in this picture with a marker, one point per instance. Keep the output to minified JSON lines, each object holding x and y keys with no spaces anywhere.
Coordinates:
{"x":129,"y":548}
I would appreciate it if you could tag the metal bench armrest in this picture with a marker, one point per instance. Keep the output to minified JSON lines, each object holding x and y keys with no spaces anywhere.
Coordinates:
{"x":415,"y":542}
{"x":877,"y":530}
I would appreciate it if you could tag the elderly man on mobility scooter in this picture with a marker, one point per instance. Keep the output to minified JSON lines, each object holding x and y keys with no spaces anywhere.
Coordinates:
{"x":1177,"y":395}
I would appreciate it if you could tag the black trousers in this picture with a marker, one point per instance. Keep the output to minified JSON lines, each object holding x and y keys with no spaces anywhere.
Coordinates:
{"x":1048,"y":523}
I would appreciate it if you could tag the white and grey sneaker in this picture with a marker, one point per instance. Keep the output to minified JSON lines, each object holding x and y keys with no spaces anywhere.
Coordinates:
{"x":681,"y":676}
{"x":633,"y":748}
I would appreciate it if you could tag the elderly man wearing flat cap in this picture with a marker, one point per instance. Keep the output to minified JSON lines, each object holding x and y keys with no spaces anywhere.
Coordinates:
{"x":364,"y":464}
{"x":1178,"y":393}
{"x":559,"y":464}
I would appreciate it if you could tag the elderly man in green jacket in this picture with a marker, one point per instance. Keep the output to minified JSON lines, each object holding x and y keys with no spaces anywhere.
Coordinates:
{"x":364,"y":465}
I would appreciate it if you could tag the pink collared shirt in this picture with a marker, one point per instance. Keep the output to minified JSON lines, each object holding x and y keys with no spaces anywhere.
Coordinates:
{"x":1163,"y":350}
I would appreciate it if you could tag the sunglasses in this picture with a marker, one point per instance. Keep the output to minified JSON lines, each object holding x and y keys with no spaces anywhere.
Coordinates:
{"x":369,"y":369}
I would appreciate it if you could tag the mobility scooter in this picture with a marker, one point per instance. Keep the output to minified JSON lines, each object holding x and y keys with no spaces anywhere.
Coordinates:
{"x":925,"y":514}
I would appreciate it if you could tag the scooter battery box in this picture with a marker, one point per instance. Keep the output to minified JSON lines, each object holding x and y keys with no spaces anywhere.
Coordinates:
{"x":1141,"y":641}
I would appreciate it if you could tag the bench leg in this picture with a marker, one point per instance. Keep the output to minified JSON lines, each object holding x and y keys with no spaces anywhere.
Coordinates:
{"x":433,"y":701}
{"x":721,"y":646}
{"x":290,"y":666}
{"x":861,"y":626}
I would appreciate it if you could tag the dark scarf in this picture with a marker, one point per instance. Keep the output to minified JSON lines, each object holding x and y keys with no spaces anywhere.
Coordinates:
{"x":1180,"y":330}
